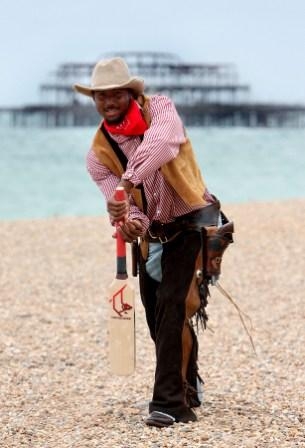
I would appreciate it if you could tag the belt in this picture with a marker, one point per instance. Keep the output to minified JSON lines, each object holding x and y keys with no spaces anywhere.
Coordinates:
{"x":164,"y":232}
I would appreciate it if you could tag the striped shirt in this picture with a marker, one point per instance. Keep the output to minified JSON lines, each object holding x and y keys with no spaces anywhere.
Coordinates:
{"x":160,"y":144}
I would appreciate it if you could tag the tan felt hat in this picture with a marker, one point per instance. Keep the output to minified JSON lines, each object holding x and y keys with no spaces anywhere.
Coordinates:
{"x":111,"y":74}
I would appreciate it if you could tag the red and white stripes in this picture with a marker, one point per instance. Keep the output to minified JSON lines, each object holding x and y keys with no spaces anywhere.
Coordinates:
{"x":160,"y":144}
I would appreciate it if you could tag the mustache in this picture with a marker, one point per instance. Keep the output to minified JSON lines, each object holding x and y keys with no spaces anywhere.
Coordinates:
{"x":111,"y":108}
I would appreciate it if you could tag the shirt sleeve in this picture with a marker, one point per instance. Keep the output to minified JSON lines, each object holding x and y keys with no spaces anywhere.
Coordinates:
{"x":107,"y":183}
{"x":161,"y":141}
{"x":101,"y":175}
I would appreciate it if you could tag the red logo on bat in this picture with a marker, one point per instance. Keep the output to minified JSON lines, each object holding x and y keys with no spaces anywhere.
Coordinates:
{"x":118,"y":304}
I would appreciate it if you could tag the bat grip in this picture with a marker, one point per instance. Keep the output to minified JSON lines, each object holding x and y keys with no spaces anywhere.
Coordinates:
{"x":120,"y":195}
{"x":120,"y":245}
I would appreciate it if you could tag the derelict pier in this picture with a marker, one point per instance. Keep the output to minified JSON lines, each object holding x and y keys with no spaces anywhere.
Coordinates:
{"x":204,"y":94}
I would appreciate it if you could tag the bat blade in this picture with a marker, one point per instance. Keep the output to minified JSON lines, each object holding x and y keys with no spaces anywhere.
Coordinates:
{"x":121,"y":327}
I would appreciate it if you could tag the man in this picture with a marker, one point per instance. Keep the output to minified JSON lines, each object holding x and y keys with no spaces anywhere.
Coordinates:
{"x":142,"y":146}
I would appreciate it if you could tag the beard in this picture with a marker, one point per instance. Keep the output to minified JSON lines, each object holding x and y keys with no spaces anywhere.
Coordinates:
{"x":115,"y":120}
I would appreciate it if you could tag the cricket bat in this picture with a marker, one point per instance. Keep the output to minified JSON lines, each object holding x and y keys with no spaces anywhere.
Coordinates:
{"x":121,"y":319}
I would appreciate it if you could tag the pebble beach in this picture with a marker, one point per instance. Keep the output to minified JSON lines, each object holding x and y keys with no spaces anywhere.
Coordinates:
{"x":56,"y":389}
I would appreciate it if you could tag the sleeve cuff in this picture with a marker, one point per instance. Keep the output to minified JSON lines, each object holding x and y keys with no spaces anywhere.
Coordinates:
{"x":130,"y":175}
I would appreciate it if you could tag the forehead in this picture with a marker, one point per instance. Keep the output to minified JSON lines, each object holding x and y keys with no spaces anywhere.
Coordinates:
{"x":111,"y":93}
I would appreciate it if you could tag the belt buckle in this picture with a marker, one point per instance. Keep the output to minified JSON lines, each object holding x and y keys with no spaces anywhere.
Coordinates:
{"x":162,"y":239}
{"x":151,"y":235}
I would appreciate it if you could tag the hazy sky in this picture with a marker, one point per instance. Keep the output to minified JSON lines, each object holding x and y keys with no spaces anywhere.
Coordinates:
{"x":265,"y":38}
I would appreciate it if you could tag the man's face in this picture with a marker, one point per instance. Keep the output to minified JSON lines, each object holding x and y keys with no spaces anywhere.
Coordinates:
{"x":112,"y":104}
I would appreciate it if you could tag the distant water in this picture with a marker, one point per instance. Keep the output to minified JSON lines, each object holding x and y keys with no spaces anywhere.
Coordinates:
{"x":43,"y":173}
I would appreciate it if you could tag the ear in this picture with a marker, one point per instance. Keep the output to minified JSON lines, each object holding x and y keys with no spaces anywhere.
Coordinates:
{"x":132,"y":94}
{"x":140,"y":99}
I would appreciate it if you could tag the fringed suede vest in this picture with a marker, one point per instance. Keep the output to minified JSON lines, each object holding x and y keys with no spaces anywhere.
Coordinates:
{"x":182,"y":173}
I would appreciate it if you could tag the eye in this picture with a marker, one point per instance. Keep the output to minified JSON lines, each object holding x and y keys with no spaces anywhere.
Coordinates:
{"x":100,"y":96}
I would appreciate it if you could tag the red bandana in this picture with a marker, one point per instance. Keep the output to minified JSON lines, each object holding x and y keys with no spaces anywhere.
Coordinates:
{"x":133,"y":123}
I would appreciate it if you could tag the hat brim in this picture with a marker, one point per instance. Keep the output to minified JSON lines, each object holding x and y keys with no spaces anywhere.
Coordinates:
{"x":135,"y":84}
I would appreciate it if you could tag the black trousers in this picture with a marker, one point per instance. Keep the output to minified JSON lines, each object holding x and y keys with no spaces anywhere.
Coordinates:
{"x":165,"y":314}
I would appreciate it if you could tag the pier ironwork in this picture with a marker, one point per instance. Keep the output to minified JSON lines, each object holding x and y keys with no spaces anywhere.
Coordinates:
{"x":206,"y":94}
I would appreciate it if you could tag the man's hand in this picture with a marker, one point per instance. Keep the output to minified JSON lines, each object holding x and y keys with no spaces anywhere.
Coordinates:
{"x":130,"y":230}
{"x":118,"y":210}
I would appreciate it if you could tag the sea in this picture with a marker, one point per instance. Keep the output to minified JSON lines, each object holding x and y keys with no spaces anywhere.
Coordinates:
{"x":43,"y":171}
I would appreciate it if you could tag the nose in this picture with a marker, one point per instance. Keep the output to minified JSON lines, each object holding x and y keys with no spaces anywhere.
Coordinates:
{"x":109,"y":103}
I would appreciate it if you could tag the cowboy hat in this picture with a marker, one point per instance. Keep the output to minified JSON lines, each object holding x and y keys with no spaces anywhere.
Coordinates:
{"x":111,"y":74}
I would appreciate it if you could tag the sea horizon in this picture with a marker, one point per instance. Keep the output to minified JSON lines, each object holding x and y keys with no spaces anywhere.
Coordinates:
{"x":43,"y":171}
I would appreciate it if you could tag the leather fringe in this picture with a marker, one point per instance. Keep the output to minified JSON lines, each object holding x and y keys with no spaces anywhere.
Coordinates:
{"x":201,"y":314}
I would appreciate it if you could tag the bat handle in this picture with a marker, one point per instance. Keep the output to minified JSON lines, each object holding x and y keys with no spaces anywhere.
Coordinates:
{"x":120,"y":195}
